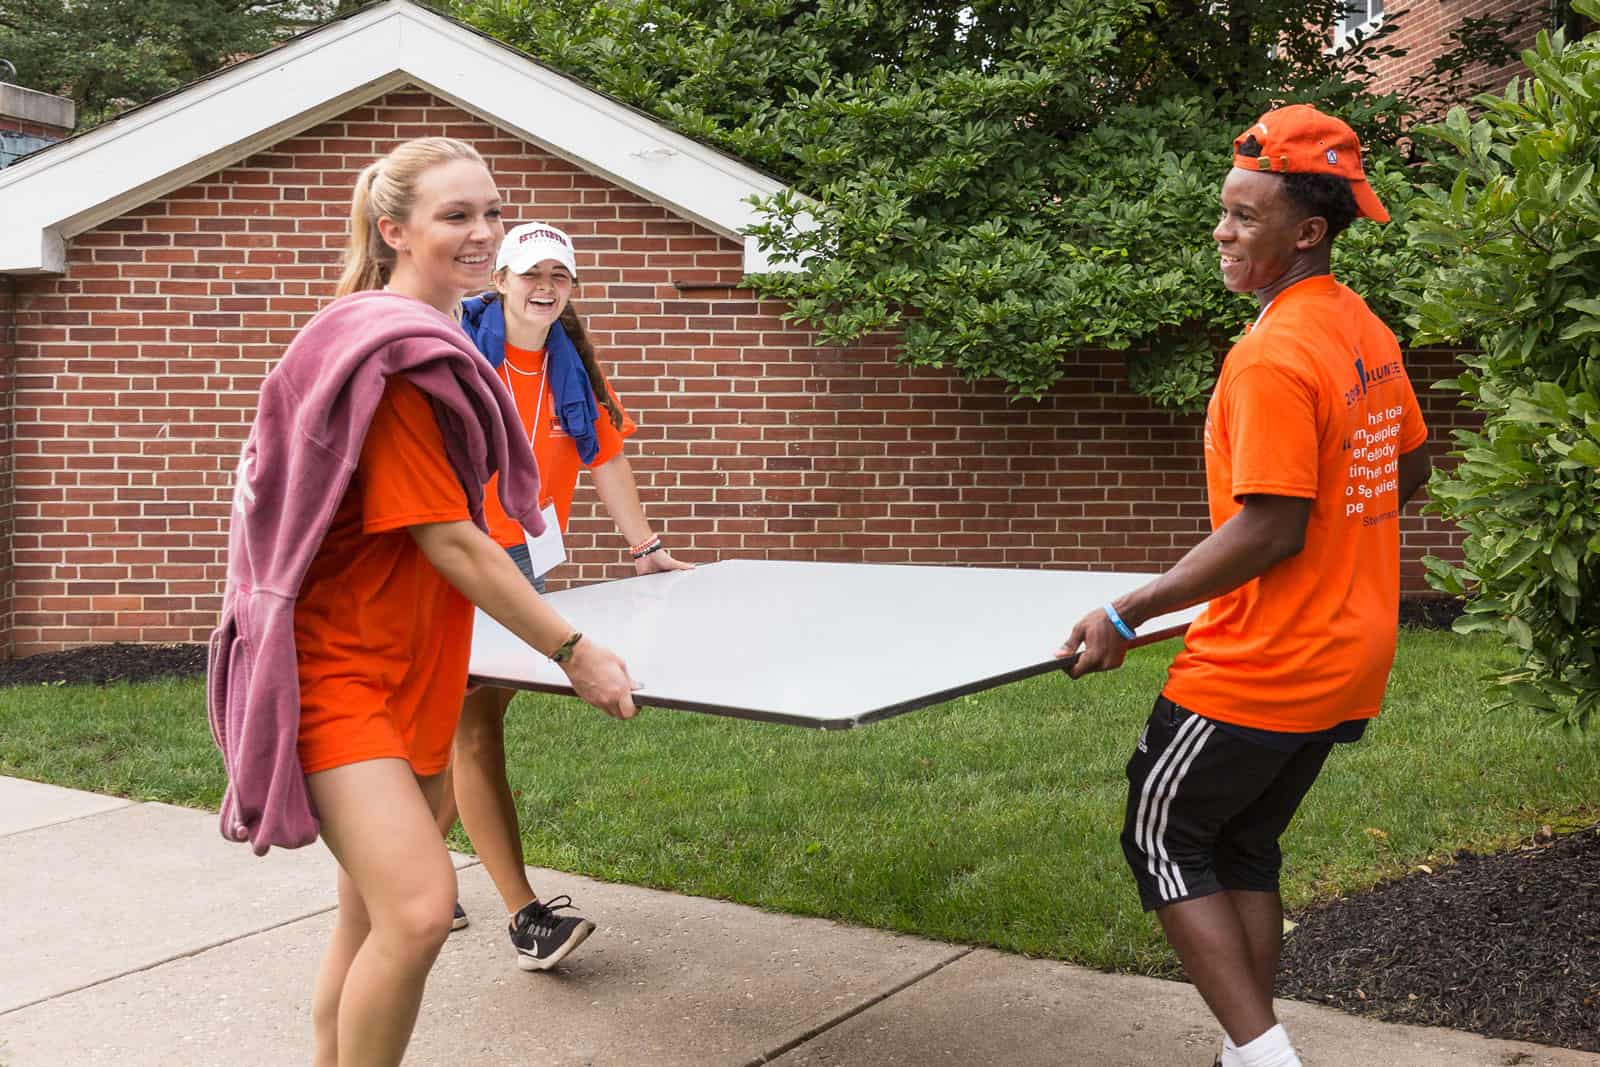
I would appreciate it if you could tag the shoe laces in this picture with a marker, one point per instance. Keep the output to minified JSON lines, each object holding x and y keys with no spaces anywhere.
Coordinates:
{"x":541,"y":916}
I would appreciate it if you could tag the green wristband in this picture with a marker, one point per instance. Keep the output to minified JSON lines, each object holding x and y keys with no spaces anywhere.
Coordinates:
{"x":564,"y":651}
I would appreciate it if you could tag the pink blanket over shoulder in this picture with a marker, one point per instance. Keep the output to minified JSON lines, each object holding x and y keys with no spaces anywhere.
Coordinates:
{"x":314,"y":412}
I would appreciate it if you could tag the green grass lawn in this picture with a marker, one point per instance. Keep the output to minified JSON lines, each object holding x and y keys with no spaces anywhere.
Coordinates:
{"x":992,"y":819}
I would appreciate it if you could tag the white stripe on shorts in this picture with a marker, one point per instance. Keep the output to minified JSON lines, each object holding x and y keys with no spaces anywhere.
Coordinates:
{"x":1151,"y":780}
{"x":1155,"y":801}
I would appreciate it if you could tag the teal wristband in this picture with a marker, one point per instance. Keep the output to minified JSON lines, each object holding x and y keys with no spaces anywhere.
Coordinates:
{"x":1116,"y":620}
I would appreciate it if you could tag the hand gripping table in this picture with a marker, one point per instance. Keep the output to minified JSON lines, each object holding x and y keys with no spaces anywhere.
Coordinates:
{"x":826,"y":645}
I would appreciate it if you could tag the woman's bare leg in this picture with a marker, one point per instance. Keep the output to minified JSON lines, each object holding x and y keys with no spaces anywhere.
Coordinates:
{"x":488,"y":810}
{"x":396,"y":891}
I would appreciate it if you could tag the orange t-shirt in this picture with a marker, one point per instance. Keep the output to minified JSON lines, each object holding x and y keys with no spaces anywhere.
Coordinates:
{"x":1313,"y":402}
{"x":381,"y":638}
{"x":554,"y":452}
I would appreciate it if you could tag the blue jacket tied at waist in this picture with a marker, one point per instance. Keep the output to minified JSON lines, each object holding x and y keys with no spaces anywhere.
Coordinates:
{"x":485,"y":322}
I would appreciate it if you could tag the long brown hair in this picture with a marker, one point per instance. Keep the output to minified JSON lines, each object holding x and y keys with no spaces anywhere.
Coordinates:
{"x":573,"y":324}
{"x":387,"y":189}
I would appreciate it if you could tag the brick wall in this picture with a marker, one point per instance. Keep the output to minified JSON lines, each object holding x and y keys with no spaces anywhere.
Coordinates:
{"x":138,"y":372}
{"x":7,"y":453}
{"x":1423,"y":28}
{"x":1423,"y":535}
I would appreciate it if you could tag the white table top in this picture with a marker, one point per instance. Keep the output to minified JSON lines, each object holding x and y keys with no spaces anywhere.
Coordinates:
{"x":829,"y":645}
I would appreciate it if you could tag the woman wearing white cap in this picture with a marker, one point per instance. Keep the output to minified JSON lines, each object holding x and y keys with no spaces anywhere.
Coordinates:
{"x":529,"y":331}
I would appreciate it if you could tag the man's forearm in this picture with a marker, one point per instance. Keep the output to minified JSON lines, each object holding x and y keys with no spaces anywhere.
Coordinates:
{"x":1265,"y":533}
{"x":1415,"y":466}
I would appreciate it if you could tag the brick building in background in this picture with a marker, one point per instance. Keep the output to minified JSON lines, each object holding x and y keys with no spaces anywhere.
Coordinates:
{"x":156,"y":267}
{"x":1424,"y":29}
{"x":29,"y":121}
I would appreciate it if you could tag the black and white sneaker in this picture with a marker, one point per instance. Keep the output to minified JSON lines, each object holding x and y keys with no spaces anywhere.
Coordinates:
{"x":542,"y":938}
{"x":458,"y":921}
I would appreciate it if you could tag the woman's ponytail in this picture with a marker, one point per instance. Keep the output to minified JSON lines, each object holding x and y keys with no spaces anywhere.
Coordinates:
{"x":364,"y":266}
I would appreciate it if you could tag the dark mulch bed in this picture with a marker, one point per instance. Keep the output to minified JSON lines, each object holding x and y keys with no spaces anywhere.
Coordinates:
{"x":1506,"y":945}
{"x":100,"y":664}
{"x":1430,"y":612}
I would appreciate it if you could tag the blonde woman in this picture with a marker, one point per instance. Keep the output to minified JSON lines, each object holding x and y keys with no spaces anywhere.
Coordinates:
{"x":354,"y":564}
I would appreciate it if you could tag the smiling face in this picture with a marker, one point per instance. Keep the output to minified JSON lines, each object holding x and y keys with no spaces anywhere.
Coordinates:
{"x":1261,"y":236}
{"x":533,"y":301}
{"x":446,"y":247}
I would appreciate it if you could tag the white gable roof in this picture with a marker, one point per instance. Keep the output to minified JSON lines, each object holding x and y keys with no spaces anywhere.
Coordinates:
{"x":78,"y":184}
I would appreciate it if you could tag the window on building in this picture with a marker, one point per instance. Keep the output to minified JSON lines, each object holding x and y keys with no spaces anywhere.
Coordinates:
{"x":1360,"y":18}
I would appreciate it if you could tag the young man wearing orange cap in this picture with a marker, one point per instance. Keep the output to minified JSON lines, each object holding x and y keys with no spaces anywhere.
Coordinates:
{"x":1313,"y":444}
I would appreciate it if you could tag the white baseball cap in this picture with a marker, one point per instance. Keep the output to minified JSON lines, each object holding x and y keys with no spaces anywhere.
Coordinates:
{"x":533,"y":243}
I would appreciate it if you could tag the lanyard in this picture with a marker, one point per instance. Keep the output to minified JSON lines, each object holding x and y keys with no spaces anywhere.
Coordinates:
{"x":547,"y":551}
{"x":544,"y":387}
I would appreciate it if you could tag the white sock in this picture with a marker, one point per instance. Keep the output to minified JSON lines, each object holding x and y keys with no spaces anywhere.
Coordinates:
{"x":1271,"y":1049}
{"x":1230,"y":1052}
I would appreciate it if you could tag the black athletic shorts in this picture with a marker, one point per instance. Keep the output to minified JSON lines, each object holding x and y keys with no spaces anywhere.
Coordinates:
{"x":1206,"y":807}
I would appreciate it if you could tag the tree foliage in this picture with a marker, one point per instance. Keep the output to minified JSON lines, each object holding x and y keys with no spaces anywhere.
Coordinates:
{"x":1001,"y":182}
{"x":108,"y":55}
{"x":1514,"y":237}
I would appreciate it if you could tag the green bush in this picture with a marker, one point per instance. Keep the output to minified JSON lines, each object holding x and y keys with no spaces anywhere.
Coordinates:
{"x":1515,"y":240}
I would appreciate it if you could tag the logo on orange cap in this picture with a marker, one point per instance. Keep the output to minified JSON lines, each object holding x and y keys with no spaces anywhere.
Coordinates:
{"x":1299,"y":139}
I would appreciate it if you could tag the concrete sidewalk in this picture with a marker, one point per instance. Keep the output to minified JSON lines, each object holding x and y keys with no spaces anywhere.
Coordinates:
{"x":135,"y":935}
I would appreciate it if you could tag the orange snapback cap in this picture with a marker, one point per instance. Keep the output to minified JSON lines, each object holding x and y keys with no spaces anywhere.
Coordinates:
{"x":1299,"y":139}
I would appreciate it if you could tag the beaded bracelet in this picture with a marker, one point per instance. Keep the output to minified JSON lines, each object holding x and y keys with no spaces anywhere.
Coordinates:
{"x":654,"y":546}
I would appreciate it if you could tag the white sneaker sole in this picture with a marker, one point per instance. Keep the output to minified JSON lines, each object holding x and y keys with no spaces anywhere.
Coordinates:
{"x":580,"y":933}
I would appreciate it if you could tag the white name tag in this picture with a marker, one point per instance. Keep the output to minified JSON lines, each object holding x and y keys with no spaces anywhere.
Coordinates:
{"x":547,"y":551}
